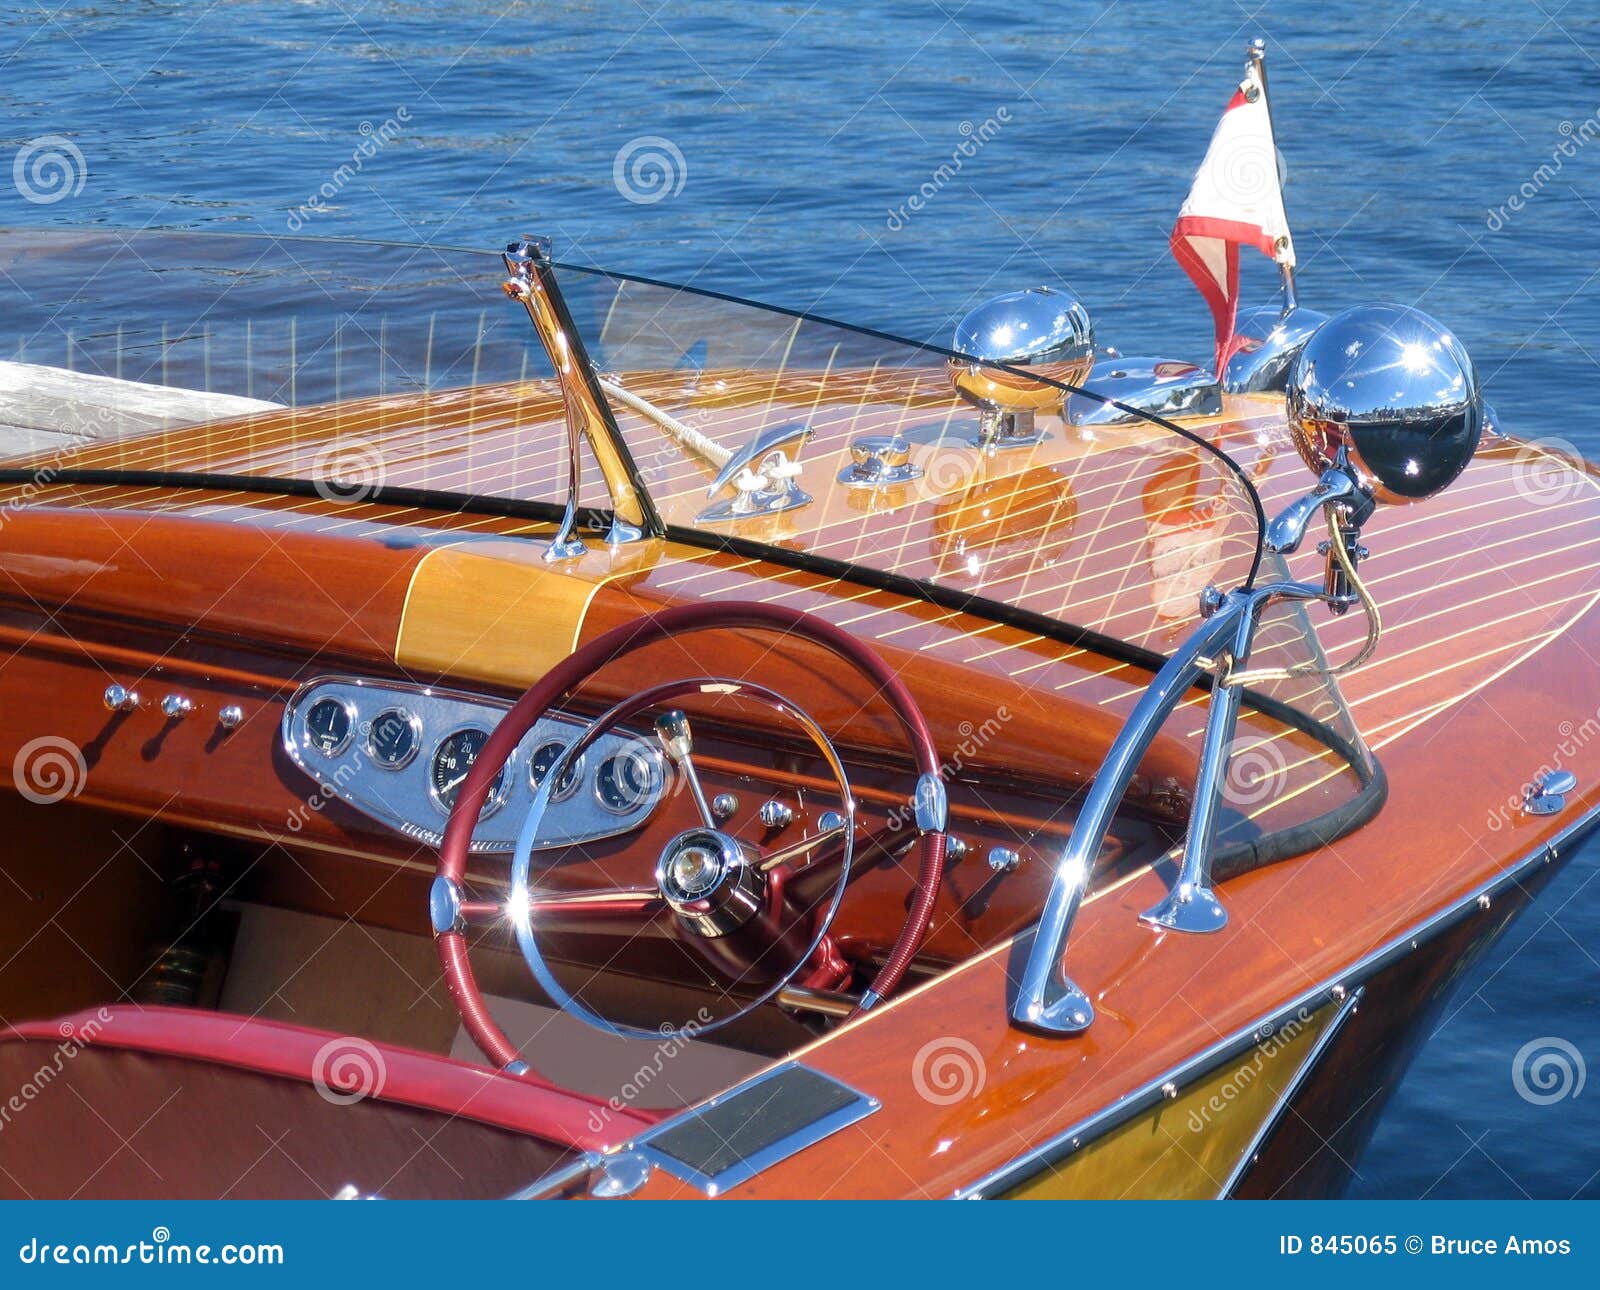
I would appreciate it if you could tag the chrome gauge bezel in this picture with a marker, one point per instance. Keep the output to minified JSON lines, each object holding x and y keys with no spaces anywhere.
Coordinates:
{"x":658,"y":780}
{"x":401,"y":796}
{"x":578,"y":770}
{"x":497,"y":794}
{"x":412,"y":721}
{"x":351,"y":715}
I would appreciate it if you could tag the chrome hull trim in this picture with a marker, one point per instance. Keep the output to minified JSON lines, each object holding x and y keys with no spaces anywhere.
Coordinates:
{"x":1023,"y":1167}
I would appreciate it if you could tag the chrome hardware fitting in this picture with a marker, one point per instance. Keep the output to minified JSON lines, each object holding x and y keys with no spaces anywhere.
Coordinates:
{"x":1270,"y":338}
{"x":175,"y":707}
{"x":677,"y":741}
{"x":444,"y":907}
{"x":1004,"y":860}
{"x":119,"y":698}
{"x":531,"y":281}
{"x":230,"y":717}
{"x":723,"y":805}
{"x":956,"y":849}
{"x":1338,"y":486}
{"x":1547,"y":794}
{"x":516,"y":1068}
{"x":830,"y":822}
{"x":1143,"y":386}
{"x":775,"y":814}
{"x":763,"y":476}
{"x":620,"y":1174}
{"x":1191,"y":905}
{"x":931,"y":804}
{"x":879,"y":461}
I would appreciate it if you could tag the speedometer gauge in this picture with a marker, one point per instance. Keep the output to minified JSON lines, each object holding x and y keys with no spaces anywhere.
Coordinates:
{"x":453,"y":760}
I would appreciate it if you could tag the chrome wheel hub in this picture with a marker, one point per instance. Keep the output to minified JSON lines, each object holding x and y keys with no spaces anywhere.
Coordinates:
{"x":707,"y":879}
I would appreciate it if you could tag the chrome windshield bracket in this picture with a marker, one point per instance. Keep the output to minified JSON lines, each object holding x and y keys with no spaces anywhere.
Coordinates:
{"x":531,"y":281}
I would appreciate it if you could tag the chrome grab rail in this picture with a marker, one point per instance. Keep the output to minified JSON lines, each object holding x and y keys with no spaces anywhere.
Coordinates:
{"x":1047,"y":998}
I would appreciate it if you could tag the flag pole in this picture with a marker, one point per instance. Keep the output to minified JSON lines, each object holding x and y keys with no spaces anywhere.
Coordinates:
{"x":1257,"y":61}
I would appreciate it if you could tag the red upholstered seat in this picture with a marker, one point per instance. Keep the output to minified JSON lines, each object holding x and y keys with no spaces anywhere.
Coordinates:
{"x":131,"y":1100}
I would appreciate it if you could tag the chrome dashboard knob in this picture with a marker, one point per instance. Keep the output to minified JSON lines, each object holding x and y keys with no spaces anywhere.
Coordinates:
{"x":175,"y":707}
{"x":775,"y":814}
{"x":118,"y":698}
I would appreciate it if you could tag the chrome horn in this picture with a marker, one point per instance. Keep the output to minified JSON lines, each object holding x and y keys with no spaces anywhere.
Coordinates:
{"x":1045,"y":330}
{"x":1384,"y":406}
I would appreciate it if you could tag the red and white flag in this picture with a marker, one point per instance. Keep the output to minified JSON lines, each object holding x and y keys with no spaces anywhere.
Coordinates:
{"x":1235,"y":200}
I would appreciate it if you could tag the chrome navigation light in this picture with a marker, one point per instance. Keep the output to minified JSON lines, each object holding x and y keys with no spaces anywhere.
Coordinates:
{"x":1042,"y":329}
{"x":1392,"y":392}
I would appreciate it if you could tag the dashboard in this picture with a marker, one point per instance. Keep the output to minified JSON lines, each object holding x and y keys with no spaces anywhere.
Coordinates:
{"x":398,"y":754}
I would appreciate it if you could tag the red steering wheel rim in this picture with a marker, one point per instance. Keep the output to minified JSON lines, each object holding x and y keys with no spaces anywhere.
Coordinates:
{"x":612,"y":645}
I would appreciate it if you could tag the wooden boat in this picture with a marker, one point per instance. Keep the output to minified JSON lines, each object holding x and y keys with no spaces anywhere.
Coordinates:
{"x":314,"y":888}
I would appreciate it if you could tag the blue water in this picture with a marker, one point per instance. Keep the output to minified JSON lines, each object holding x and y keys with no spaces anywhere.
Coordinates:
{"x":794,"y":137}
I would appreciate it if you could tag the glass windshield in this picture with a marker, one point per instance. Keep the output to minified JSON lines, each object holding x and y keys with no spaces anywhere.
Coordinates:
{"x":1114,"y":529}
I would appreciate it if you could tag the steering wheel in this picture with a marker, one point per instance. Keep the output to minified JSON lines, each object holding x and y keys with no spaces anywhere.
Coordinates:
{"x":753,"y":918}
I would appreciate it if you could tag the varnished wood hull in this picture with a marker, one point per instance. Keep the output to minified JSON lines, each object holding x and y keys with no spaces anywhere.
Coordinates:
{"x":237,"y":595}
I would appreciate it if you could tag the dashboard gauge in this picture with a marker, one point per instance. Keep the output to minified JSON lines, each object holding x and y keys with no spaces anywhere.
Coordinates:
{"x":544,"y":757}
{"x":330,"y":725}
{"x":393,"y":738}
{"x":453,"y":759}
{"x":627,"y":780}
